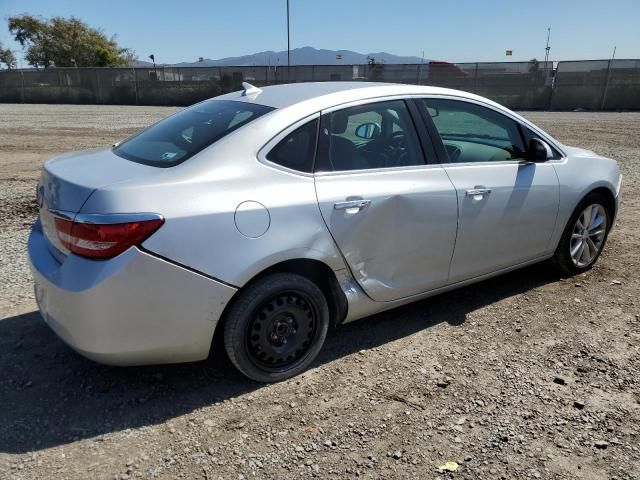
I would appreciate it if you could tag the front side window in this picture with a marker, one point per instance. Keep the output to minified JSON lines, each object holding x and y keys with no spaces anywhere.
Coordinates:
{"x":374,"y":135}
{"x":297,"y":149}
{"x":180,"y":136}
{"x":472,"y":133}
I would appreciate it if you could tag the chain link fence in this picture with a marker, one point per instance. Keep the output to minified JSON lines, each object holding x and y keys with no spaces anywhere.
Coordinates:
{"x":597,"y":85}
{"x":589,"y":85}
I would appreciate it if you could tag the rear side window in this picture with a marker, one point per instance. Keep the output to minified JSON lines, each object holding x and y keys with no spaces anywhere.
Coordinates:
{"x":370,"y":136}
{"x":180,"y":136}
{"x":296,"y":150}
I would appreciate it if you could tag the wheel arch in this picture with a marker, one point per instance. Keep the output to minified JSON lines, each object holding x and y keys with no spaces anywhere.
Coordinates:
{"x":316,"y":271}
{"x":607,"y":193}
{"x":601,"y":188}
{"x":320,"y":274}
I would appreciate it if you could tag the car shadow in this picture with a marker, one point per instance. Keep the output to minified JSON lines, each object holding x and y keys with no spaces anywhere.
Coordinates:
{"x":50,"y":396}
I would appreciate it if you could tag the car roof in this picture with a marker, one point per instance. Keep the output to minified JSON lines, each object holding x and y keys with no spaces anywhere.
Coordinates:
{"x":327,"y":94}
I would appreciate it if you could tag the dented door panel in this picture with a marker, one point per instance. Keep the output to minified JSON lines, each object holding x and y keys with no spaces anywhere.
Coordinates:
{"x":398,"y":232}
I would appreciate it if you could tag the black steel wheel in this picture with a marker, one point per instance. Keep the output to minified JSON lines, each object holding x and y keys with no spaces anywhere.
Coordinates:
{"x":282,"y":330}
{"x":276,"y":327}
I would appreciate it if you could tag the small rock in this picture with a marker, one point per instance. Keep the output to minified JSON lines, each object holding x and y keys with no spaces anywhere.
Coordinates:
{"x":559,"y":381}
{"x":601,"y":444}
{"x":579,"y":404}
{"x":616,"y":282}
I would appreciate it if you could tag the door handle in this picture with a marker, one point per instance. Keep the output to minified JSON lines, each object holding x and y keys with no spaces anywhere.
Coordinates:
{"x":478,"y":192}
{"x":348,"y":204}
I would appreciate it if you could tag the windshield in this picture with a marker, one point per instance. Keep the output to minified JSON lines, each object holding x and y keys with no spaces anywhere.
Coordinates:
{"x":182,"y":135}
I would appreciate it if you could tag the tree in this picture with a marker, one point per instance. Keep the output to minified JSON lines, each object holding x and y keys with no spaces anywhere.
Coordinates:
{"x":66,"y":42}
{"x":7,"y":57}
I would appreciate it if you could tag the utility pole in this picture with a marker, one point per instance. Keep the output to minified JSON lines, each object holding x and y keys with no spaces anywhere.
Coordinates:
{"x":153,"y":59}
{"x":288,"y":45}
{"x":606,"y":80}
{"x":546,"y":55}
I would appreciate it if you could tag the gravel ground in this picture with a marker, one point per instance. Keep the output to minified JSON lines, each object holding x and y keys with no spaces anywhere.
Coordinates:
{"x":523,"y":376}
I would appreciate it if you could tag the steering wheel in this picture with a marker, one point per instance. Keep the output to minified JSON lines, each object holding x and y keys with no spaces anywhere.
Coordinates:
{"x":395,"y":149}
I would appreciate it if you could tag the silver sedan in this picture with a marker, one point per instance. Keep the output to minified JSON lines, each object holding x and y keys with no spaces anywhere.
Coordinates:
{"x":269,"y":215}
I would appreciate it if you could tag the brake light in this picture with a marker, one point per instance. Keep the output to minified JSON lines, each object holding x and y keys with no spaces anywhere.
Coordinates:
{"x":101,"y":241}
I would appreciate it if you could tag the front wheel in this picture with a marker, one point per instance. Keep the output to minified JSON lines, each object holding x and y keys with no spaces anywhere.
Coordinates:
{"x":585,"y":235}
{"x":276,"y":327}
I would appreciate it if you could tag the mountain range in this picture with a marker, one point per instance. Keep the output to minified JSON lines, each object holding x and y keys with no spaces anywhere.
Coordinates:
{"x":300,"y":56}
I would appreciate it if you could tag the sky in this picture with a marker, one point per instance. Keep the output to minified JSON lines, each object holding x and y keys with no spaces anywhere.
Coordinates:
{"x":452,"y":30}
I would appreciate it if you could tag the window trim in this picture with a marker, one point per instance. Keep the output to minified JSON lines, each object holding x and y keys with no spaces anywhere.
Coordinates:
{"x":439,"y":146}
{"x":277,"y":138}
{"x":416,"y":122}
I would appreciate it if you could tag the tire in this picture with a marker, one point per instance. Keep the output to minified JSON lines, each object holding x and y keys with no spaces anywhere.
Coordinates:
{"x":563,"y":259}
{"x":276,"y":327}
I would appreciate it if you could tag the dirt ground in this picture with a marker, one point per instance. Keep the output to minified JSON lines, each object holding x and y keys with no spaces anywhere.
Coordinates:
{"x":524,"y":376}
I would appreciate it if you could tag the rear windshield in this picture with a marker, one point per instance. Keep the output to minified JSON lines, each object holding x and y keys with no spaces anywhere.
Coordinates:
{"x":182,"y":135}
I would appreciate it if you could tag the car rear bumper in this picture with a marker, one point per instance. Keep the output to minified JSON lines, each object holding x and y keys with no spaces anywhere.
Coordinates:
{"x":134,"y":309}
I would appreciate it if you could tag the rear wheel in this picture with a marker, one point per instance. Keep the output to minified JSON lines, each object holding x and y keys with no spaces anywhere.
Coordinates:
{"x":585,"y":235}
{"x":276,"y":327}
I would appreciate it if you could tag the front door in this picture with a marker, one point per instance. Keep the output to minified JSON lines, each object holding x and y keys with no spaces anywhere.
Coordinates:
{"x":392,"y":216}
{"x":507,"y":205}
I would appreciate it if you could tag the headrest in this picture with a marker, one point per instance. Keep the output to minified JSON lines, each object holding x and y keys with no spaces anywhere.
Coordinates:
{"x":339,"y":121}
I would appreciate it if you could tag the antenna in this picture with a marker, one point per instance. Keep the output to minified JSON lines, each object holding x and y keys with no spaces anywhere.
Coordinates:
{"x":250,"y":90}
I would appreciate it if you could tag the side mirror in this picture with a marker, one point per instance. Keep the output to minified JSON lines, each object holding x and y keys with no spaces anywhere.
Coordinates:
{"x":539,"y":151}
{"x":368,"y":131}
{"x":433,"y":111}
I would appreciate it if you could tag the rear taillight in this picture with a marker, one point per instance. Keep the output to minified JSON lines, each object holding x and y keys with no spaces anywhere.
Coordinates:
{"x":103,"y":240}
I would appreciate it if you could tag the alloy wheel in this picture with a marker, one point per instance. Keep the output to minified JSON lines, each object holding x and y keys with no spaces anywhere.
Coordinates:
{"x":588,"y":235}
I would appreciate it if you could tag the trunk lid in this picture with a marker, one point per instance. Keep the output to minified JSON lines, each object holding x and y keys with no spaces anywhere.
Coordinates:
{"x":69,"y":180}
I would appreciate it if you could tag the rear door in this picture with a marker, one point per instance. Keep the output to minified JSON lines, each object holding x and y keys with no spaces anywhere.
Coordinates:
{"x":507,"y":205}
{"x":391,"y":213}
